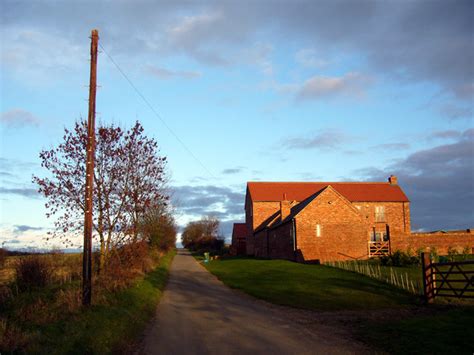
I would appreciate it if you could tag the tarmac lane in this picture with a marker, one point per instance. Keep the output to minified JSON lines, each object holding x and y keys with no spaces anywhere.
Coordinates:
{"x":198,"y":314}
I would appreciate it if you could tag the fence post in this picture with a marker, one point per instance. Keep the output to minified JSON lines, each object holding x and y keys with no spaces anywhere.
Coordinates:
{"x":427,"y":278}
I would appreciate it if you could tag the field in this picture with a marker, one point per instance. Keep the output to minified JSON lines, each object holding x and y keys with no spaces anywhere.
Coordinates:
{"x":67,"y":267}
{"x":385,"y":317}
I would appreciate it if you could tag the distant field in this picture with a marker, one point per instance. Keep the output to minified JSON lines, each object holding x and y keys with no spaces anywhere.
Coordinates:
{"x":66,"y":266}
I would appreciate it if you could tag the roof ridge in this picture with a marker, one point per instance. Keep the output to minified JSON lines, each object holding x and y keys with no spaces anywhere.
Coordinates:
{"x":319,"y":182}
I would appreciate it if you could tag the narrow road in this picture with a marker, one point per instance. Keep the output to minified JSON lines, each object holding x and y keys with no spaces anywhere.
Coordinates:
{"x":198,"y":314}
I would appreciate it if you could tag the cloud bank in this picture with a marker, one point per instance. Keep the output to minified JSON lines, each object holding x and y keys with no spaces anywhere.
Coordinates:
{"x":438,"y":181}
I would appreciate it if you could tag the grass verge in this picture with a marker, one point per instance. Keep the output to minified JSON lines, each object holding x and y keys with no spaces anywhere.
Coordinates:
{"x":109,"y":327}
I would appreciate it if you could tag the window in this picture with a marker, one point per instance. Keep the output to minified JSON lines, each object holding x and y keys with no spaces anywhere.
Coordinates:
{"x":379,"y":237}
{"x":379,"y":213}
{"x":318,"y":230}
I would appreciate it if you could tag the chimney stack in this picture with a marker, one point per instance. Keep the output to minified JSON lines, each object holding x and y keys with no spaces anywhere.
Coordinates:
{"x":285,"y":208}
{"x":392,"y":179}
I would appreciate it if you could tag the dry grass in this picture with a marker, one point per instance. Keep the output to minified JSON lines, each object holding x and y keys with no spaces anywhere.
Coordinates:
{"x":25,"y":317}
{"x":65,"y":267}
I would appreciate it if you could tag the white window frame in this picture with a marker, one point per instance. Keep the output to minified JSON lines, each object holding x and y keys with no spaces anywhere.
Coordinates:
{"x":318,"y":230}
{"x":380,"y":214}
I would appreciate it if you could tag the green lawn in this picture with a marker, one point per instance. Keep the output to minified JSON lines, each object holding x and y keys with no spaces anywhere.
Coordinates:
{"x":315,"y":287}
{"x":444,"y":331}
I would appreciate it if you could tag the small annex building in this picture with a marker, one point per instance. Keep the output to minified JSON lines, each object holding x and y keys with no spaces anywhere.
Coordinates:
{"x":239,"y":239}
{"x":324,"y":221}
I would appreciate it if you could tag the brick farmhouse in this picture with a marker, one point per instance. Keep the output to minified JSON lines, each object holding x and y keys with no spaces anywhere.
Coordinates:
{"x":327,"y":221}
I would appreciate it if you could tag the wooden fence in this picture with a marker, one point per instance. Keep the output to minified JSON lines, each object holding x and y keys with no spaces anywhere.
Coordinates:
{"x":451,"y":279}
{"x":378,"y":248}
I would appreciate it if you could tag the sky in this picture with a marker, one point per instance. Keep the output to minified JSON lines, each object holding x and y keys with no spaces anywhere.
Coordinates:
{"x":254,"y":91}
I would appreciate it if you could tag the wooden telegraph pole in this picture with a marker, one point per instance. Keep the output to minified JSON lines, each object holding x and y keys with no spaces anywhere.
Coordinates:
{"x":87,"y":255}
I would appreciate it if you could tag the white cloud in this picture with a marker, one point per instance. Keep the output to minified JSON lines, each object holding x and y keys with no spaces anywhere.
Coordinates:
{"x":353,"y":85}
{"x":18,"y":118}
{"x":12,"y":238}
{"x":260,"y":56}
{"x":38,"y":56}
{"x":329,"y":139}
{"x":308,"y":57}
{"x":166,"y":74}
{"x":432,"y":40}
{"x":197,"y":37}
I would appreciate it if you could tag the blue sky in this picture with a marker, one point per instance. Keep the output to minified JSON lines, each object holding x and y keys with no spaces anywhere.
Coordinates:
{"x":265,"y":90}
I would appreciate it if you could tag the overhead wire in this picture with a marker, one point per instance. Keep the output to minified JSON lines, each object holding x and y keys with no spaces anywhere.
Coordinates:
{"x":150,"y":106}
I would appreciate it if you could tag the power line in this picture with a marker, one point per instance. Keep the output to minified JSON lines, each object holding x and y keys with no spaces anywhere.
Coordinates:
{"x":155,"y":112}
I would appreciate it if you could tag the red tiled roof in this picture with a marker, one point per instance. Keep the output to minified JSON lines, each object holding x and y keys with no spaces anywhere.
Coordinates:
{"x":353,"y":191}
{"x":239,"y":230}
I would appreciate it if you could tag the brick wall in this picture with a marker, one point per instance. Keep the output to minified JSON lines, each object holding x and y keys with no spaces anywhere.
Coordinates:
{"x":441,"y":241}
{"x":344,"y":232}
{"x":257,"y":213}
{"x":281,"y":242}
{"x":250,"y":241}
{"x":250,"y":245}
{"x":261,"y":244}
{"x":263,"y":211}
{"x":248,"y":212}
{"x":397,"y":215}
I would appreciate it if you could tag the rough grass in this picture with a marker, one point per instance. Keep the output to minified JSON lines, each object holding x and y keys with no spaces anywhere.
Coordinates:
{"x":40,"y":322}
{"x":314,"y":287}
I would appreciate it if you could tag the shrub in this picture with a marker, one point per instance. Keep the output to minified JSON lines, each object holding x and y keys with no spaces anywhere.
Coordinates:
{"x":159,"y":228}
{"x":33,"y":271}
{"x":124,"y":264}
{"x":399,"y":258}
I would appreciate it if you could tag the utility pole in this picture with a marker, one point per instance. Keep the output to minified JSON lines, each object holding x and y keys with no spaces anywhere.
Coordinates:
{"x":87,"y":255}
